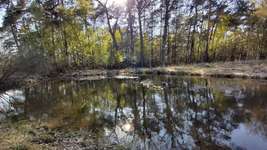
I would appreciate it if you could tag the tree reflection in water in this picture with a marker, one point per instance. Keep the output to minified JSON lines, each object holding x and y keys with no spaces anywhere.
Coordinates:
{"x":154,"y":112}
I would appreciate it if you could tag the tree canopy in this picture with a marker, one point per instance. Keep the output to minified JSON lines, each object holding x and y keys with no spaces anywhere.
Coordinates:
{"x":101,"y":33}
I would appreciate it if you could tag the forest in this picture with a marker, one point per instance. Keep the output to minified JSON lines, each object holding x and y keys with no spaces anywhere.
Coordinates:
{"x":44,"y":36}
{"x":133,"y":74}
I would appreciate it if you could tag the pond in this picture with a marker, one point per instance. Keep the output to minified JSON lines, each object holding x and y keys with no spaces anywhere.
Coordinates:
{"x":152,"y":112}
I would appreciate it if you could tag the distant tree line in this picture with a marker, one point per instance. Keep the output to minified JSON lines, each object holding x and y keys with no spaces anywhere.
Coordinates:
{"x":58,"y":34}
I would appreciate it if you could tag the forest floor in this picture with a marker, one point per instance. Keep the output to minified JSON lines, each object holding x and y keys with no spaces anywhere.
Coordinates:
{"x":238,"y":69}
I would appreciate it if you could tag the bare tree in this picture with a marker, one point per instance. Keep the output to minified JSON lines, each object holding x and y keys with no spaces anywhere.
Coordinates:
{"x":167,"y":6}
{"x":131,"y":20}
{"x":141,"y":5}
{"x":111,"y":28}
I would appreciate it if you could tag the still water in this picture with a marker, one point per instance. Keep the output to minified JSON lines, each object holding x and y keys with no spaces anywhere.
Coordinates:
{"x":152,"y":112}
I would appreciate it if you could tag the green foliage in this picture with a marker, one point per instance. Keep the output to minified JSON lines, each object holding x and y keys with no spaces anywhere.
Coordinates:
{"x":77,"y":33}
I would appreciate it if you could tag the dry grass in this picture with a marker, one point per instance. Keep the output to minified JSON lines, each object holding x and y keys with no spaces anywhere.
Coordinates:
{"x":239,"y":69}
{"x":248,"y":69}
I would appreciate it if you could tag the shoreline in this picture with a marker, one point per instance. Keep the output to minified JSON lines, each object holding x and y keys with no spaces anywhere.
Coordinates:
{"x":245,"y":70}
{"x":241,"y":69}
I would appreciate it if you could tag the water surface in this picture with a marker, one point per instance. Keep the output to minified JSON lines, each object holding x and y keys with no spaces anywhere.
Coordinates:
{"x":153,"y":112}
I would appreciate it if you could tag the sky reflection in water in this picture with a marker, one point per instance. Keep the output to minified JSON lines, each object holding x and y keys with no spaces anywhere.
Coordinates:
{"x":155,"y":112}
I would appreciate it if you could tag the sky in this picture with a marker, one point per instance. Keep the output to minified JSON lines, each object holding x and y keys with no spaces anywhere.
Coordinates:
{"x":119,"y":2}
{"x":2,"y":14}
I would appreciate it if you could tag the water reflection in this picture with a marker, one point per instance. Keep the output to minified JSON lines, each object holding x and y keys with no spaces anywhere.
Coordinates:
{"x":11,"y":103}
{"x":157,"y":112}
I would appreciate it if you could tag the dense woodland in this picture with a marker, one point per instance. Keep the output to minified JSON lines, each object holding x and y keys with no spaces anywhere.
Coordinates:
{"x":40,"y":36}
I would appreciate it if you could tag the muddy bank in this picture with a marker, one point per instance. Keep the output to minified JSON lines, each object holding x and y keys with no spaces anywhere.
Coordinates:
{"x":240,"y":69}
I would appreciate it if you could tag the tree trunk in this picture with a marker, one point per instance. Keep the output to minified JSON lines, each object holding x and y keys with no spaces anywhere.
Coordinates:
{"x":131,"y":34}
{"x":114,"y":41}
{"x":192,"y":47}
{"x":206,"y":54}
{"x":142,"y":57}
{"x":165,"y":33}
{"x":14,"y":34}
